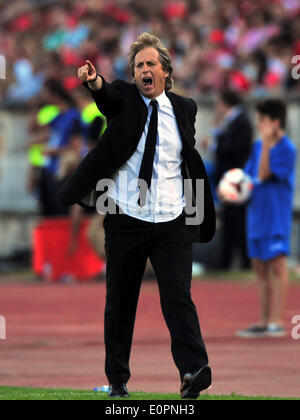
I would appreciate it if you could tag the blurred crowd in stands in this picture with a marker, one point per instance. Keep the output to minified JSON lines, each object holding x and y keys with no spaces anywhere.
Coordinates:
{"x":240,"y":46}
{"x":243,"y":44}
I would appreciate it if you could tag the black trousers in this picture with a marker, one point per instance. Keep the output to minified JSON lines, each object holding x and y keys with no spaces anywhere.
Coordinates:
{"x":129,"y":243}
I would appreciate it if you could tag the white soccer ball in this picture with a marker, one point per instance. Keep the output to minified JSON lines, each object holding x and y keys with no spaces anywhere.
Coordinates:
{"x":235,"y":187}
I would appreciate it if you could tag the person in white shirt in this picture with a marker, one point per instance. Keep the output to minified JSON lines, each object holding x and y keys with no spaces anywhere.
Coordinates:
{"x":147,"y":152}
{"x":165,"y":200}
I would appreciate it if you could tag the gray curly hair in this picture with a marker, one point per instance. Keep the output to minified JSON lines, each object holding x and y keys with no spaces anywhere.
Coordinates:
{"x":150,"y":41}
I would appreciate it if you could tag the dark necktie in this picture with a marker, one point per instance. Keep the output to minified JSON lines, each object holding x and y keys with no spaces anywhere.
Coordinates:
{"x":149,"y":153}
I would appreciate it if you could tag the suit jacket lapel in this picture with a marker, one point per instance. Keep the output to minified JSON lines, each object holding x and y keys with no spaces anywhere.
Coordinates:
{"x":179,"y":112}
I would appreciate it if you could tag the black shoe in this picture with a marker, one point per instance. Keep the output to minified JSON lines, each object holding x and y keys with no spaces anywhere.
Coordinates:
{"x":194,"y":383}
{"x":118,"y":391}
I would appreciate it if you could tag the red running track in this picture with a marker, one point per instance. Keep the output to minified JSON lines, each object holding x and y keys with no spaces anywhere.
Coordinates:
{"x":55,"y":339}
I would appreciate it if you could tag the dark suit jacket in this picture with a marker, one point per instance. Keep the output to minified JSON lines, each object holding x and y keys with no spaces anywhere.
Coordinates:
{"x":234,"y":145}
{"x":126,"y":114}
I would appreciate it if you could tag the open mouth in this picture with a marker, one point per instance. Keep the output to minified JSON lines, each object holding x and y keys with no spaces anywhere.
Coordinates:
{"x":148,"y":82}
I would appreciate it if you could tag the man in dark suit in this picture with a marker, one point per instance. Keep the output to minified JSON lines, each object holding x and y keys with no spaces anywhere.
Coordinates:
{"x":234,"y":141}
{"x":148,"y":152}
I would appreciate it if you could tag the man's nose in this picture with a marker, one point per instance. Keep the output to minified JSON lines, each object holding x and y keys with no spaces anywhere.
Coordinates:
{"x":146,"y":69}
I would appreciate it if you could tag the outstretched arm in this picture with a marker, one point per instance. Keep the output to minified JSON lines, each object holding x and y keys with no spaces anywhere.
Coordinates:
{"x":108,"y":97}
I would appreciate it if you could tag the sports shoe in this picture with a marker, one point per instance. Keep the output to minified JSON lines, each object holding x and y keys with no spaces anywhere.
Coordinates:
{"x":255,"y":331}
{"x":276,"y":331}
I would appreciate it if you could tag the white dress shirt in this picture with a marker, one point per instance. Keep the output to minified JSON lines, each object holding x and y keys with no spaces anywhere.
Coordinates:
{"x":165,"y":199}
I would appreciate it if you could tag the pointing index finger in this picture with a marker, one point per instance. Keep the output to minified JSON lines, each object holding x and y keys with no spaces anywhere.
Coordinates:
{"x":90,"y":65}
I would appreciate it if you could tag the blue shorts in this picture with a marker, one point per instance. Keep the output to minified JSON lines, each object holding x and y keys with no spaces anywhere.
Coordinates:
{"x":267,"y":249}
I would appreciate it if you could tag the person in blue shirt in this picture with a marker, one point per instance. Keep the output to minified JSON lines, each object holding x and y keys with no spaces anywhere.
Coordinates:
{"x":272,"y":165}
{"x":61,"y":127}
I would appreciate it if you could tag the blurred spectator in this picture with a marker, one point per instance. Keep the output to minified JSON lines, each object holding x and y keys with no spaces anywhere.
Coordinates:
{"x":61,"y":143}
{"x":95,"y":233}
{"x":272,"y":166}
{"x":91,"y":117}
{"x":241,"y":44}
{"x":233,"y":141}
{"x":28,"y":84}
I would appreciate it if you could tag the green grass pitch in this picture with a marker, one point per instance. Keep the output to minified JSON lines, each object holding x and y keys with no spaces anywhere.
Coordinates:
{"x":31,"y":394}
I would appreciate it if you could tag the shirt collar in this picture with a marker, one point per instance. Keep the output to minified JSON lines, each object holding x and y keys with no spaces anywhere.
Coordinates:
{"x":162,"y":100}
